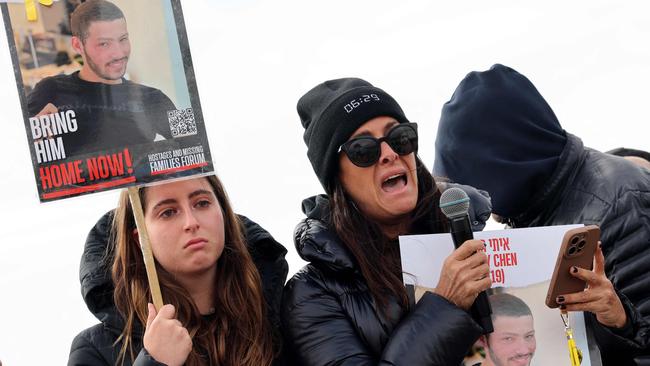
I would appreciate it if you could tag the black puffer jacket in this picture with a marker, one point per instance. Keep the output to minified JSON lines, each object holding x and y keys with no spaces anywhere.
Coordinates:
{"x":498,"y":133}
{"x":94,"y":346}
{"x":330,"y":318}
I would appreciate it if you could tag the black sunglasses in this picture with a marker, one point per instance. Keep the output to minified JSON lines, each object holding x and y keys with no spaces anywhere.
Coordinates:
{"x":364,"y":151}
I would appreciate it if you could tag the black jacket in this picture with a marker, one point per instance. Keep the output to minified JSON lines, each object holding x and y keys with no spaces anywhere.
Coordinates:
{"x":330,"y":318}
{"x":94,"y":346}
{"x":591,"y":187}
{"x":498,"y":133}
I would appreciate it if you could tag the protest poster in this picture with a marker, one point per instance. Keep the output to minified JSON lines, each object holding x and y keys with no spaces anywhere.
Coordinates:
{"x":108,"y":103}
{"x":521,"y":264}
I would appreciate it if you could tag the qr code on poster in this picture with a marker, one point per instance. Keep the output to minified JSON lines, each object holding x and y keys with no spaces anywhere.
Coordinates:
{"x":181,"y":122}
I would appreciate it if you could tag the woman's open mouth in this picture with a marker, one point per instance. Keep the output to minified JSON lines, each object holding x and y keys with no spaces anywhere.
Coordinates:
{"x":394,"y":183}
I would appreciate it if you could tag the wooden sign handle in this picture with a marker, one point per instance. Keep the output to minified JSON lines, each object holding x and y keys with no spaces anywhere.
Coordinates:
{"x":145,"y":245}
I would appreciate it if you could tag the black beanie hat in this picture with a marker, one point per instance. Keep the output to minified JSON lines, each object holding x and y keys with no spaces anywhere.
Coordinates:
{"x":332,"y":111}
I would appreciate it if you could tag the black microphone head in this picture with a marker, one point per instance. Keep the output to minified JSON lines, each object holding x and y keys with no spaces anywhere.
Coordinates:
{"x":454,"y":202}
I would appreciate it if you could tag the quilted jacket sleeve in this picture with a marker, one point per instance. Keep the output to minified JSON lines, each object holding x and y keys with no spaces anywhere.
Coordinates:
{"x":626,"y":245}
{"x":317,"y":331}
{"x":94,"y":347}
{"x":84,"y":353}
{"x":631,"y":339}
{"x":145,"y":359}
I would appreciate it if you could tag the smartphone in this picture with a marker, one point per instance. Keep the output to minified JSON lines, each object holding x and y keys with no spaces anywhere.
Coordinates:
{"x":577,"y":249}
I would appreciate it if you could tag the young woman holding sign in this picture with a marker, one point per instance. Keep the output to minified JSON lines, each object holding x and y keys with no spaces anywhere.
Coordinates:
{"x":220,"y":274}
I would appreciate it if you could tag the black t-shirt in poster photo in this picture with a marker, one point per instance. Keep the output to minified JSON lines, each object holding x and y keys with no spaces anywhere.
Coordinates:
{"x":108,"y":116}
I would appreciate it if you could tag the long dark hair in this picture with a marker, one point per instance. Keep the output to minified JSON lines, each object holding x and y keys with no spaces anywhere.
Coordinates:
{"x":239,"y":333}
{"x":378,"y":256}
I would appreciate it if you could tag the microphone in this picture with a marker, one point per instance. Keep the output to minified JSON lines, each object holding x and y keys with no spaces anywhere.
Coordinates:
{"x":454,"y":203}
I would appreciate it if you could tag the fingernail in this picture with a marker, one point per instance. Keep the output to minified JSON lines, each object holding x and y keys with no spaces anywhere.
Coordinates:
{"x":562,"y":307}
{"x":560,"y":299}
{"x":574,"y":269}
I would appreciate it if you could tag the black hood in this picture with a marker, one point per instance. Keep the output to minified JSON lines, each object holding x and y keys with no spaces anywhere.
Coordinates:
{"x":97,"y":258}
{"x":95,"y":274}
{"x":316,"y":243}
{"x":498,"y":134}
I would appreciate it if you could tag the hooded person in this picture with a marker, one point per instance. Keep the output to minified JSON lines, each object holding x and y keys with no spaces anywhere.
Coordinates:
{"x":497,"y":133}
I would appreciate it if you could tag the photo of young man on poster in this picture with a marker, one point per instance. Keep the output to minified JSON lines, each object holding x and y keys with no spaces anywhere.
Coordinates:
{"x":107,"y":102}
{"x":109,"y":110}
{"x":513,"y":341}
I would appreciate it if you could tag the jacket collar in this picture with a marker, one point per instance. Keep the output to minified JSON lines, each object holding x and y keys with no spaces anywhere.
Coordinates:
{"x":316,"y":243}
{"x":543,"y":204}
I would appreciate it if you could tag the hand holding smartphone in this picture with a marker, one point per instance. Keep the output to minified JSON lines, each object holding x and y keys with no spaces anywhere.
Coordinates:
{"x":577,"y":249}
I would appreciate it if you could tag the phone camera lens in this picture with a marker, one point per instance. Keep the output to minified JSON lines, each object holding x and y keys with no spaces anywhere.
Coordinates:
{"x":581,"y":244}
{"x":572,"y":250}
{"x":574,"y":240}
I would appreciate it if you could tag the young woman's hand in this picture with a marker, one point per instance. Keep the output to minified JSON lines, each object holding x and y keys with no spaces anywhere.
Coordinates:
{"x":465,"y":273}
{"x":598,"y":298}
{"x":165,"y":338}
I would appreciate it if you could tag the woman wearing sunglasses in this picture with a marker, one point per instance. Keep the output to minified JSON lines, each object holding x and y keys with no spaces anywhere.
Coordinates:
{"x":349,"y":305}
{"x":221,"y":277}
